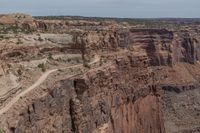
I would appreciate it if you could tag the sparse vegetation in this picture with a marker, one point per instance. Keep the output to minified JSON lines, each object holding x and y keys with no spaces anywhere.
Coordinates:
{"x":42,"y":66}
{"x":40,"y":39}
{"x":28,"y":31}
{"x":60,"y":70}
{"x":85,"y":64}
{"x":50,"y":57}
{"x":2,"y":131}
{"x":68,"y":60}
{"x":101,"y":62}
{"x":9,"y":65}
{"x":71,"y":70}
{"x":6,"y":29}
{"x":1,"y":36}
{"x":59,"y":59}
{"x":19,"y":41}
{"x":19,"y":71}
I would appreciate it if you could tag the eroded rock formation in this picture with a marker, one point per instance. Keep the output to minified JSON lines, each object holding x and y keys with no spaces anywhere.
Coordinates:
{"x":120,"y":97}
{"x":139,"y":84}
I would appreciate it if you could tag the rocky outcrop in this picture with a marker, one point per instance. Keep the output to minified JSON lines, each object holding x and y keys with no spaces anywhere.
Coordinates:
{"x":120,"y":97}
{"x":163,"y":47}
{"x":190,"y":47}
{"x":157,"y":43}
{"x":110,"y":101}
{"x":15,"y":19}
{"x":50,"y":113}
{"x":139,"y":69}
{"x":7,"y":20}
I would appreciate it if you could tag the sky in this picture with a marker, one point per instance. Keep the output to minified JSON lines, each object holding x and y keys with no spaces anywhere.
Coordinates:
{"x":105,"y":8}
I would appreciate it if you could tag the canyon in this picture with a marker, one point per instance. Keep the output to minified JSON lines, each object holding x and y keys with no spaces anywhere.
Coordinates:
{"x":98,"y":76}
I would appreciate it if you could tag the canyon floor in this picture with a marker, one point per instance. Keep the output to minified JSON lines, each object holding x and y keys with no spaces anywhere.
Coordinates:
{"x":99,"y":75}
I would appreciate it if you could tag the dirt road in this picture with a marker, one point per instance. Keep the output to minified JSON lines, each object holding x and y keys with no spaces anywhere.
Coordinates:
{"x":36,"y":84}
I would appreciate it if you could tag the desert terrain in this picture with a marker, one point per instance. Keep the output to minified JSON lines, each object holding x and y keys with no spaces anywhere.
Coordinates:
{"x":62,"y":74}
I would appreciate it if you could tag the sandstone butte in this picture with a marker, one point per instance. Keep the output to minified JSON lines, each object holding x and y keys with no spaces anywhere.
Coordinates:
{"x":65,"y":75}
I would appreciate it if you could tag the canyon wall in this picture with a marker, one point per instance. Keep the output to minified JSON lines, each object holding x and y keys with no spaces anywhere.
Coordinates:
{"x":163,"y":47}
{"x":120,"y":97}
{"x":136,"y":88}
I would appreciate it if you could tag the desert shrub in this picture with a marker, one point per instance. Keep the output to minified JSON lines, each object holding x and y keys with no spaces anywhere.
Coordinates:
{"x":71,"y":70}
{"x":50,"y":56}
{"x":9,"y":65}
{"x":44,"y":69}
{"x":101,"y":62}
{"x":60,"y":70}
{"x":2,"y":131}
{"x":1,"y":36}
{"x":19,"y":71}
{"x":19,"y":41}
{"x":85,"y":64}
{"x":68,"y":60}
{"x":40,"y":39}
{"x":42,"y":66}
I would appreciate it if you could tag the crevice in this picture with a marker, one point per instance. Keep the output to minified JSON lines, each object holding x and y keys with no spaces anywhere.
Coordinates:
{"x":71,"y":110}
{"x":12,"y":129}
{"x":112,"y":122}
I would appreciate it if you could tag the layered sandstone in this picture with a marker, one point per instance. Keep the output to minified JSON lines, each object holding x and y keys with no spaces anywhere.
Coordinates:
{"x":119,"y":97}
{"x":133,"y":80}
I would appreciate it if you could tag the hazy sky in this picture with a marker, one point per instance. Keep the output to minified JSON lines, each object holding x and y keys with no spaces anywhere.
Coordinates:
{"x":105,"y":8}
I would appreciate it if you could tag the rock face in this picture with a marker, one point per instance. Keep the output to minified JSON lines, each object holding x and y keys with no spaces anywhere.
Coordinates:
{"x":163,"y":47}
{"x":15,"y":19}
{"x":166,"y":47}
{"x":156,"y":43}
{"x":147,"y":80}
{"x":50,"y":113}
{"x":117,"y":98}
{"x":7,"y":20}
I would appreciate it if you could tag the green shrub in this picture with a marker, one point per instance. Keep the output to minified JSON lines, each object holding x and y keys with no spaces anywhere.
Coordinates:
{"x":42,"y":66}
{"x":50,"y":56}
{"x":2,"y":131}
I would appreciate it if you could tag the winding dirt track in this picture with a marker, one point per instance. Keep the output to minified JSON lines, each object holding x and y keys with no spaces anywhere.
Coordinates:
{"x":35,"y":85}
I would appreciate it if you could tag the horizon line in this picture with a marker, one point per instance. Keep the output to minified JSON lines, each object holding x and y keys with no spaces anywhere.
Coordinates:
{"x":108,"y":17}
